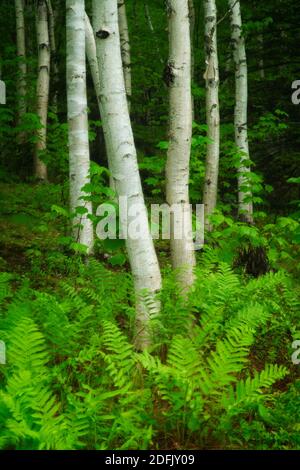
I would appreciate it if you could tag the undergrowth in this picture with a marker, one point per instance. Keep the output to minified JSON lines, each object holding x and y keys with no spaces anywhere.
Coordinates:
{"x":219,"y":374}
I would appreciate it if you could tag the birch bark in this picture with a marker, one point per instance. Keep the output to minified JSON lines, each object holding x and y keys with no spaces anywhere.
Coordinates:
{"x":180,"y":132}
{"x":192,"y":17}
{"x":52,"y":40}
{"x":124,"y":167}
{"x":240,"y":113}
{"x":91,"y":54}
{"x":79,"y":163}
{"x":43,"y":82}
{"x":21,"y":52}
{"x":212,"y":111}
{"x":125,"y":49}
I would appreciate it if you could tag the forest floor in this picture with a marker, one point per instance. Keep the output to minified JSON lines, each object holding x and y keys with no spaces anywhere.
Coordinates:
{"x":31,"y":249}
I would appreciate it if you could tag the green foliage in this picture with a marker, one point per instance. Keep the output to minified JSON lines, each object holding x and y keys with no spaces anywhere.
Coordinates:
{"x":73,"y":380}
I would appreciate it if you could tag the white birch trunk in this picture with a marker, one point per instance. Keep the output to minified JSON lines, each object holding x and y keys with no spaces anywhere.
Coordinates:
{"x":192,"y":34}
{"x":125,"y":49}
{"x":79,"y":154}
{"x":43,"y":82}
{"x":123,"y":164}
{"x":180,"y":132}
{"x":91,"y":53}
{"x":212,"y":111}
{"x":21,"y":52}
{"x":52,"y":39}
{"x":240,"y":113}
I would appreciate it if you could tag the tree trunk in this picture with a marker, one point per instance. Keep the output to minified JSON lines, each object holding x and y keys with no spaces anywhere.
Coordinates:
{"x":91,"y":54}
{"x":55,"y":71}
{"x":212,"y":111}
{"x":240,"y":113}
{"x":21,"y":52}
{"x":124,"y":166}
{"x":42,"y":86}
{"x":125,"y":48}
{"x":78,"y":121}
{"x":180,"y":132}
{"x":192,"y":34}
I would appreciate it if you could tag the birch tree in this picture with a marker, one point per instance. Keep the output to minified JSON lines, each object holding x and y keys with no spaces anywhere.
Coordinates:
{"x":43,"y":82}
{"x":91,"y":53}
{"x":52,"y":40}
{"x":240,"y":113}
{"x":125,"y":48}
{"x":180,"y":131}
{"x":212,"y":110}
{"x":124,"y":167}
{"x":79,"y":157}
{"x":192,"y":16}
{"x":22,"y":66}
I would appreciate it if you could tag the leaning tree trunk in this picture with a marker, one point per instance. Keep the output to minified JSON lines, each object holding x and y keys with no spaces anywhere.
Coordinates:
{"x":79,"y":155}
{"x":42,"y":86}
{"x":212,"y":111}
{"x":124,"y":167}
{"x":178,"y":76}
{"x":125,"y":49}
{"x":91,"y":53}
{"x":240,"y":113}
{"x":21,"y":52}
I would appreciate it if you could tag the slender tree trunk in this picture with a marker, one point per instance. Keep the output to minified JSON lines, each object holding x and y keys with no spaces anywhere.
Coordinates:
{"x":91,"y":54}
{"x":78,"y":121}
{"x":21,"y":52}
{"x":55,"y":71}
{"x":125,"y":48}
{"x":192,"y":33}
{"x":124,"y":166}
{"x":42,"y":86}
{"x":240,"y":114}
{"x":212,"y":110}
{"x":180,"y":132}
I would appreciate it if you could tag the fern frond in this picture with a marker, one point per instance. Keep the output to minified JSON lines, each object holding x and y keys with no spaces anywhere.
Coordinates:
{"x":252,"y":390}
